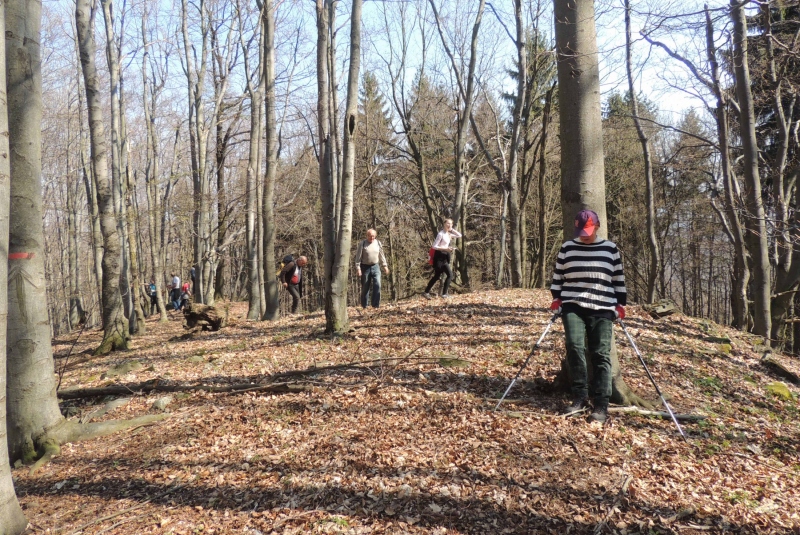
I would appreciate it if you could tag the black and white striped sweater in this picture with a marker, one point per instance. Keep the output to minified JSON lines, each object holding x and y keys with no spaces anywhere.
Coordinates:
{"x":589,"y":276}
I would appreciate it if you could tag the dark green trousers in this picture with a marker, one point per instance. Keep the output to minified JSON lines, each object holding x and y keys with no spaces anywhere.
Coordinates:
{"x":581,"y":330}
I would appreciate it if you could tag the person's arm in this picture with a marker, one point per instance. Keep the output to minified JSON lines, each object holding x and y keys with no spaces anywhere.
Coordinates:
{"x":618,"y":279}
{"x":282,"y":275}
{"x":382,"y":258}
{"x":359,"y":253}
{"x":558,"y":275}
{"x":455,"y":233}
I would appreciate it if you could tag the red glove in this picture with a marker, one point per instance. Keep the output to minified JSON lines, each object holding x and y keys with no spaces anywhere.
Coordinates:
{"x":620,"y":310}
{"x":555,"y":306}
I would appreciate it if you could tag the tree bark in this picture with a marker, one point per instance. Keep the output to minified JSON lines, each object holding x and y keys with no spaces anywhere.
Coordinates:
{"x":271,"y":285}
{"x":652,"y":241}
{"x":12,"y":519}
{"x":256,"y":92}
{"x":150,"y":92}
{"x":115,"y":335}
{"x":757,"y":239}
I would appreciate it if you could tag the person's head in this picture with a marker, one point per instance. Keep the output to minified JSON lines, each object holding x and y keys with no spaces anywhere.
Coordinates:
{"x":302,"y":261}
{"x":172,"y":274}
{"x":586,"y":224}
{"x":448,"y":224}
{"x":371,"y":235}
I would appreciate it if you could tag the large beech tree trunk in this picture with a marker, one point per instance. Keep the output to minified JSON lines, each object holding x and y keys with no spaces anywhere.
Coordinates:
{"x":32,"y":405}
{"x":12,"y":520}
{"x":582,"y":167}
{"x":757,"y":238}
{"x":271,"y":286}
{"x":115,"y":335}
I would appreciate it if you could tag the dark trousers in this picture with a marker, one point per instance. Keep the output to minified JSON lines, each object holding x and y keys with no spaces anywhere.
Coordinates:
{"x":597,"y":331}
{"x":294,"y":291}
{"x":441,"y":264}
{"x":153,"y":304}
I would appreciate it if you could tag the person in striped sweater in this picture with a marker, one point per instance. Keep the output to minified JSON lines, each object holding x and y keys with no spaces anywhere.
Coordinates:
{"x":589,"y":290}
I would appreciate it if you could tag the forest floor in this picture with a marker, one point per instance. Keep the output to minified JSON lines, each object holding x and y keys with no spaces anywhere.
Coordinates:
{"x":406,"y":439}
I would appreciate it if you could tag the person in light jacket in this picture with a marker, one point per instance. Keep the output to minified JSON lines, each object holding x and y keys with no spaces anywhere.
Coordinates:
{"x":441,"y":258}
{"x":368,"y":257}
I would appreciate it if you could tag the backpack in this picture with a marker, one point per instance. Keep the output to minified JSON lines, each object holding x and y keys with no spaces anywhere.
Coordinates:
{"x":431,"y":252}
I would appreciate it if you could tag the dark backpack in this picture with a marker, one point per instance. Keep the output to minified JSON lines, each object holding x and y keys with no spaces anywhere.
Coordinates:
{"x":288,"y":258}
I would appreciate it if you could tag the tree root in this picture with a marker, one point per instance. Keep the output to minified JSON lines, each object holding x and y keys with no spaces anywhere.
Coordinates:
{"x":49,"y":445}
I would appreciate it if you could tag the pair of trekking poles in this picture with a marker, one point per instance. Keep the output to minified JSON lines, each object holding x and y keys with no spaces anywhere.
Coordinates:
{"x":635,"y":350}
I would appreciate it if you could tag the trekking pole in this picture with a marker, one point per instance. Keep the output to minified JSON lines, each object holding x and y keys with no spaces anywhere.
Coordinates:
{"x":524,"y":364}
{"x":664,"y":401}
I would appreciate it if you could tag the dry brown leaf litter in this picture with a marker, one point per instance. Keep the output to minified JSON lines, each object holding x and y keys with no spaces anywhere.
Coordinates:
{"x":412,"y":446}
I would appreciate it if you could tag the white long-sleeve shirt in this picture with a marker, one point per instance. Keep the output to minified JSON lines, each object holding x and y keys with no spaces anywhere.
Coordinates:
{"x":442,"y":241}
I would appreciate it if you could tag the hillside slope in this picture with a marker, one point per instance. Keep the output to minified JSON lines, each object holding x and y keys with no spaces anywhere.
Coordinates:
{"x":404,"y":440}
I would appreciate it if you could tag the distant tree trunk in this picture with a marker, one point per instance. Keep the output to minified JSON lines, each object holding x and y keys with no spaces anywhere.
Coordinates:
{"x":757,"y":239}
{"x":115,"y":335}
{"x":740,"y":274}
{"x":77,"y":314}
{"x":12,"y":519}
{"x":582,"y":166}
{"x":256,"y":92}
{"x":652,"y":240}
{"x":466,"y":90}
{"x":271,"y":285}
{"x":342,"y":259}
{"x":150,"y":91}
{"x":195,"y":79}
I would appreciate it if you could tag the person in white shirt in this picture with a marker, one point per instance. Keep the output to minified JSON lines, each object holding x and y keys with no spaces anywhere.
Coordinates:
{"x":175,"y":292}
{"x":441,"y":258}
{"x":369,"y":258}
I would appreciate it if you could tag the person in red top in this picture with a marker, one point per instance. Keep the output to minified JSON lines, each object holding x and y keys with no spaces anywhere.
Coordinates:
{"x":291,"y":275}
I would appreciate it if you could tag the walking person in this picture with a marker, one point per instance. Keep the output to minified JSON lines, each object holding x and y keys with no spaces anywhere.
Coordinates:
{"x":368,"y":257}
{"x":151,"y":291}
{"x":175,"y":291}
{"x":441,"y":258}
{"x":291,"y":275}
{"x":589,"y":289}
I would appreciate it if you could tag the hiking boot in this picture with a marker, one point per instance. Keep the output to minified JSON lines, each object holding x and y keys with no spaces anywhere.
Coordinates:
{"x":445,"y":296}
{"x":599,"y":414}
{"x":426,"y":295}
{"x":577,"y":406}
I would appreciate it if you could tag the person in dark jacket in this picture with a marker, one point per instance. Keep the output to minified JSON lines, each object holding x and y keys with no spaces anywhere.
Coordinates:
{"x":291,"y":275}
{"x":589,"y":290}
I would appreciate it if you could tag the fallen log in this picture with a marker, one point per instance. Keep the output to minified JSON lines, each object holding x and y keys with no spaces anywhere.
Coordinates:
{"x":772,"y":363}
{"x":157,"y":386}
{"x":206,"y":317}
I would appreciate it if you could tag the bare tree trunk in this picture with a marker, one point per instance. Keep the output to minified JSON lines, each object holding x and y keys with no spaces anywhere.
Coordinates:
{"x":252,"y":233}
{"x":652,"y":241}
{"x":327,"y":189}
{"x":115,"y":334}
{"x":757,"y":238}
{"x":730,"y":219}
{"x":195,"y":79}
{"x":31,"y":388}
{"x":150,"y":92}
{"x":466,"y":93}
{"x":12,"y":519}
{"x":271,"y":285}
{"x":76,"y":313}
